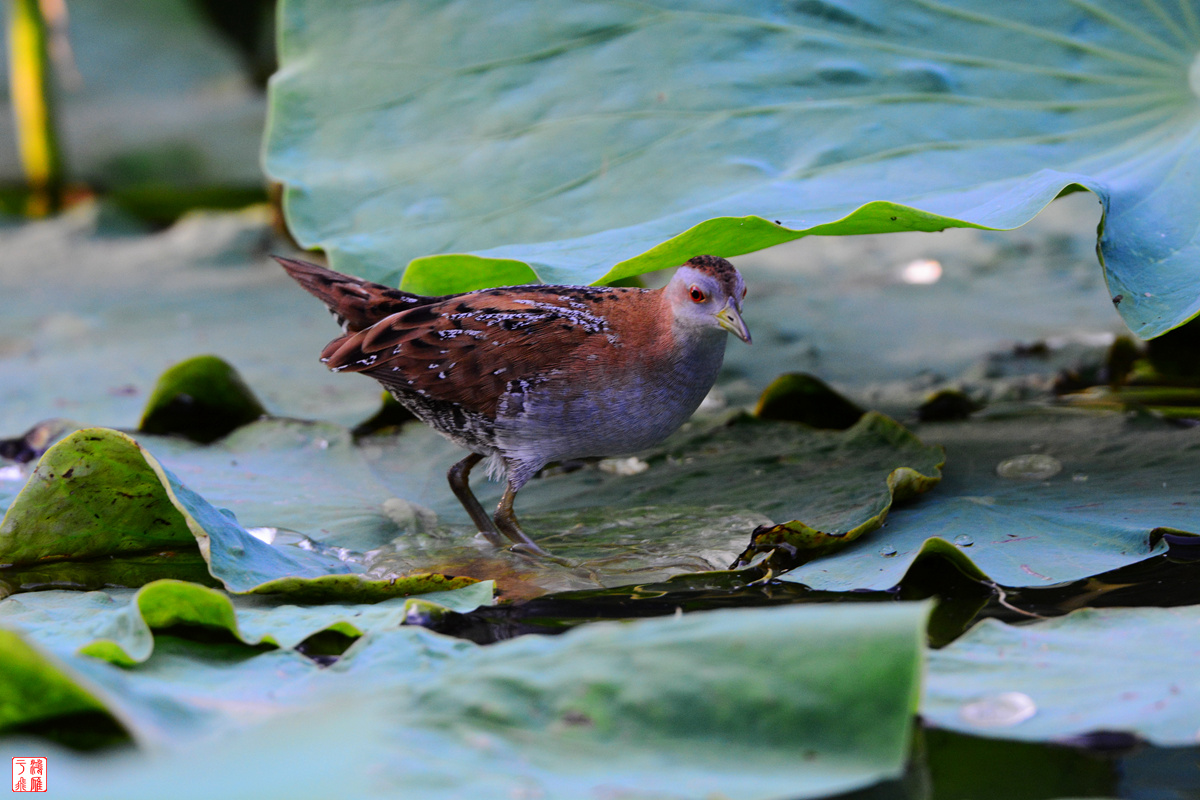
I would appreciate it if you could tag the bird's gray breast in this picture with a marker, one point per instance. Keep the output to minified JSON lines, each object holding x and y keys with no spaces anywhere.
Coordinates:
{"x":596,"y":412}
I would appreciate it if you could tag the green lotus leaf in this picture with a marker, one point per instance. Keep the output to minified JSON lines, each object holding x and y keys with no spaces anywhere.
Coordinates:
{"x":384,"y":507}
{"x":35,"y":685}
{"x":98,"y":493}
{"x":799,"y":397}
{"x":596,"y":141}
{"x":309,"y":477}
{"x":1111,"y":669}
{"x":117,"y":625}
{"x":91,"y":495}
{"x":774,"y":712}
{"x":1107,"y":483}
{"x":689,"y":505}
{"x":202,"y":398}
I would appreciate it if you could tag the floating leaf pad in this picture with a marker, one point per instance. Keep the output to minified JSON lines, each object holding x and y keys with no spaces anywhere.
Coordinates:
{"x":693,"y":509}
{"x":1119,"y":479}
{"x":203,"y":398}
{"x":797,"y":397}
{"x":640,"y":135}
{"x":1112,"y":669}
{"x":623,"y":708}
{"x":97,"y":493}
{"x":117,"y":624}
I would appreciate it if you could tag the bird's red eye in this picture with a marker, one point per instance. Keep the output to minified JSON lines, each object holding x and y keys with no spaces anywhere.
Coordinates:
{"x":697,"y":294}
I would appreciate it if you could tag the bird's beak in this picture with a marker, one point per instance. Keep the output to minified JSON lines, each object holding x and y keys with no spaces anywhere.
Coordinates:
{"x":729,"y":319}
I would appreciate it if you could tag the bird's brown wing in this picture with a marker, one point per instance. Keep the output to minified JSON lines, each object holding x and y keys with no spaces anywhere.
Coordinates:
{"x":468,"y":348}
{"x":357,"y":304}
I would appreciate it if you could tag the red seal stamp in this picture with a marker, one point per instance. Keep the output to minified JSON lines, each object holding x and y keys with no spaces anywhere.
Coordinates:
{"x":29,"y":774}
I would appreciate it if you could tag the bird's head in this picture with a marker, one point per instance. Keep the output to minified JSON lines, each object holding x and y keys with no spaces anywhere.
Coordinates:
{"x":707,"y":292}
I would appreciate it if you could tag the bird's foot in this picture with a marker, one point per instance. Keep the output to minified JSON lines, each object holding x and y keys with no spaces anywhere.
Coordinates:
{"x":533,"y":551}
{"x":506,"y":523}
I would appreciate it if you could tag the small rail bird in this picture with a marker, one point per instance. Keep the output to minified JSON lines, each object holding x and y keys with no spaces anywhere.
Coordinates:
{"x":527,"y":375}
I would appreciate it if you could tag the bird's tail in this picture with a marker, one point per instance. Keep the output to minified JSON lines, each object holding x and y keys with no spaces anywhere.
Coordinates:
{"x":356,"y":303}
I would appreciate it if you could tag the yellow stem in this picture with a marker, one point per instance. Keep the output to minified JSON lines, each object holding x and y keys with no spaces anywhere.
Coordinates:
{"x":32,"y":89}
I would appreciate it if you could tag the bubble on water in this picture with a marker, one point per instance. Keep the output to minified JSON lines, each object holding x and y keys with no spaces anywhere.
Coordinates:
{"x":288,"y":538}
{"x":962,"y":540}
{"x":999,"y":711}
{"x":1029,"y":467}
{"x":887,"y":551}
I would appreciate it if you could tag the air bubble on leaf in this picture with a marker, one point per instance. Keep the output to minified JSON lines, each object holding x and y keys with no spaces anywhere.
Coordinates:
{"x":999,"y":711}
{"x":1029,"y":467}
{"x":962,"y":540}
{"x":887,"y":551}
{"x":263,"y":534}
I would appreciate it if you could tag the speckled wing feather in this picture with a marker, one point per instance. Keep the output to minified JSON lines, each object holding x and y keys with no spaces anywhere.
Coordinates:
{"x":468,"y":349}
{"x":357,"y":304}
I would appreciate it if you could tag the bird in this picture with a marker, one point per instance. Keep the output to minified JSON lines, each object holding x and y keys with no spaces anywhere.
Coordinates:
{"x":528,"y":375}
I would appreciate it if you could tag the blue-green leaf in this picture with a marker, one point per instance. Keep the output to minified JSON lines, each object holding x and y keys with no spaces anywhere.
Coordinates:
{"x":593,"y":141}
{"x":756,"y":703}
{"x":1111,"y":669}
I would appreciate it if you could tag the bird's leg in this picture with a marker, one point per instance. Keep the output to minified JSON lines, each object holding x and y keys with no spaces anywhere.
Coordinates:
{"x":506,"y":521}
{"x":459,"y":477}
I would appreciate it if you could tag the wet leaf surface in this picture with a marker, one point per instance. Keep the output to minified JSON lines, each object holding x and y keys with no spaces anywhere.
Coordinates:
{"x":1120,"y":479}
{"x":313,"y":481}
{"x":1113,"y":669}
{"x":109,"y":498}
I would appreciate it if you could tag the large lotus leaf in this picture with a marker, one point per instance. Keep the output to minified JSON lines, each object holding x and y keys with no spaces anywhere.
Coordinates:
{"x":117,"y":624}
{"x":613,"y":708}
{"x":1120,"y":479}
{"x":691,"y":508}
{"x":560,"y":139}
{"x":98,"y":493}
{"x":1111,"y":669}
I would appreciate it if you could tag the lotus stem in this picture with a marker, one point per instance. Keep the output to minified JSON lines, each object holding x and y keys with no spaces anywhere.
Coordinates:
{"x":33,"y":97}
